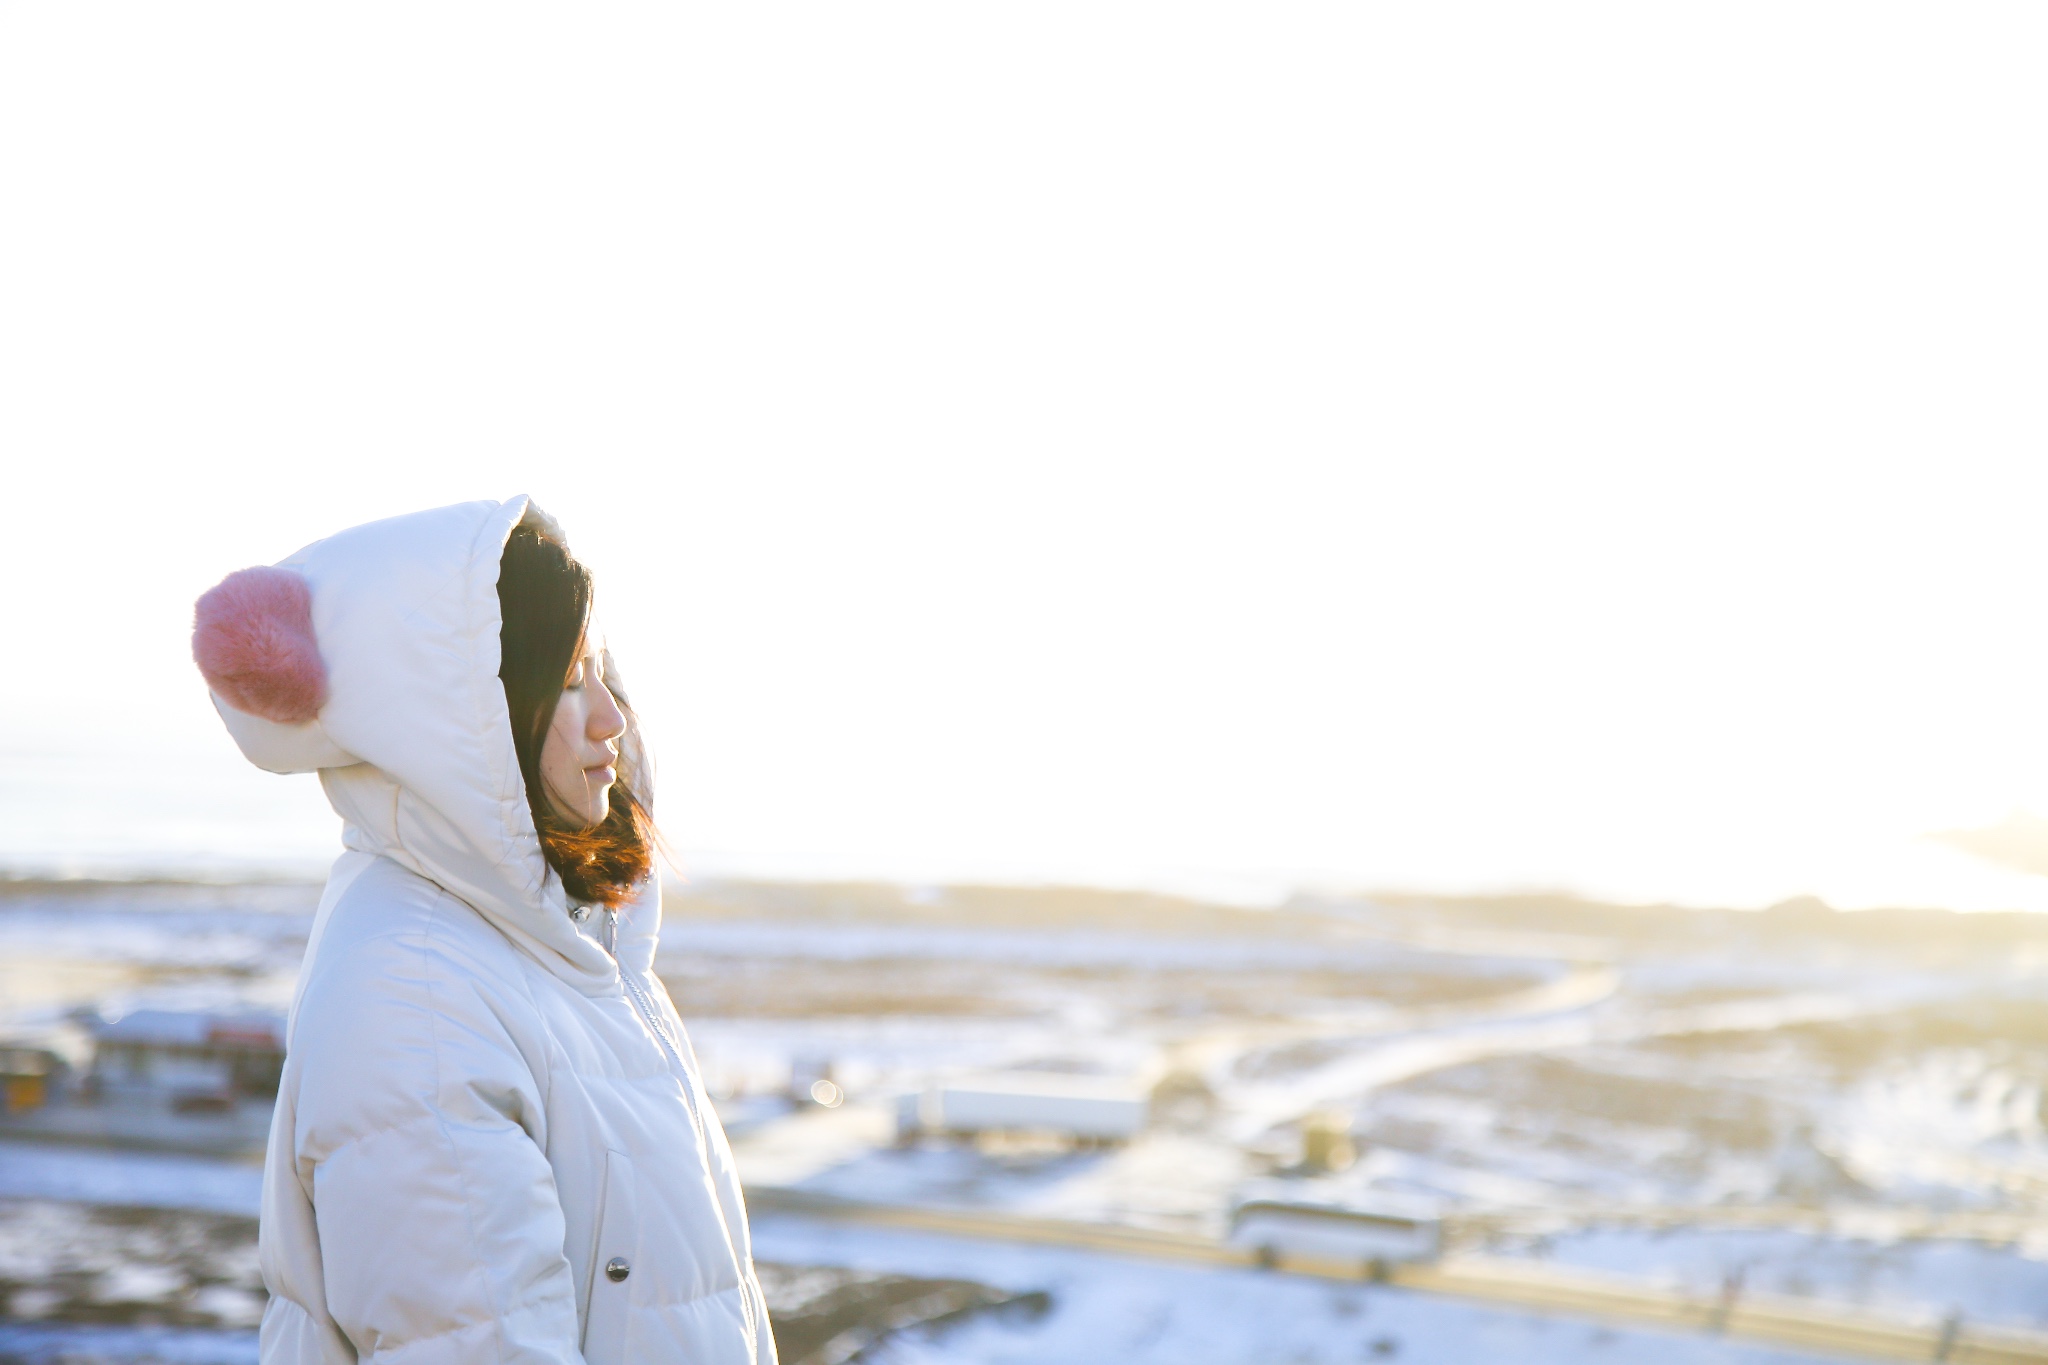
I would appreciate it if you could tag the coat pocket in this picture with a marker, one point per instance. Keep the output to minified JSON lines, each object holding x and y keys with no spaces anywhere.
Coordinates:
{"x":614,"y":1267}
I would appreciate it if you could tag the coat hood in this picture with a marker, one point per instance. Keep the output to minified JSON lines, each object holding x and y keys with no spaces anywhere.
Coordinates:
{"x":411,"y":737}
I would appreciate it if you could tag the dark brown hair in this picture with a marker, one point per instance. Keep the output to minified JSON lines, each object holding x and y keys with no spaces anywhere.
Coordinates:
{"x":544,"y":601}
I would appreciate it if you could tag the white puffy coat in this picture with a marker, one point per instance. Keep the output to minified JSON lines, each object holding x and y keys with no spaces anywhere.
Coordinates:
{"x":491,"y":1142}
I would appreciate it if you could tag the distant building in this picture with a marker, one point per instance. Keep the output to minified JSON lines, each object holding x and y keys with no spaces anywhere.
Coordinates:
{"x":30,"y":1076}
{"x":197,"y":1062}
{"x":1078,"y":1108}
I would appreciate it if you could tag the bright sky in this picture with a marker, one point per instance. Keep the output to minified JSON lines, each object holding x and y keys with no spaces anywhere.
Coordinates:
{"x":1447,"y":446}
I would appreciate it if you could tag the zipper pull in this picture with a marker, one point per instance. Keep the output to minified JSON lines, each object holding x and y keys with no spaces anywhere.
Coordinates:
{"x":611,"y":931}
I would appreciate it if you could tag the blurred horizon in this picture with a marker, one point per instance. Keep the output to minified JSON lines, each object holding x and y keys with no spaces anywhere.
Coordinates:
{"x":212,"y":822}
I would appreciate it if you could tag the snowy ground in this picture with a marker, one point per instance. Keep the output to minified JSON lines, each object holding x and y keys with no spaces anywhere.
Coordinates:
{"x":1843,"y":1107}
{"x":1123,"y":1312}
{"x":1924,"y":1278}
{"x":134,"y":1179}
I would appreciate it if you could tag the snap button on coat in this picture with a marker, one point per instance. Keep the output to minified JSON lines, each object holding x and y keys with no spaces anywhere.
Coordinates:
{"x":617,"y":1269}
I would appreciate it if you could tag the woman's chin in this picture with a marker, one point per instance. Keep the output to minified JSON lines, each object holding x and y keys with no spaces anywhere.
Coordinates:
{"x":585,"y":815}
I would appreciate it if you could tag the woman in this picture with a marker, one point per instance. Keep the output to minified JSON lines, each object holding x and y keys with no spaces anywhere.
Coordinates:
{"x":491,"y":1141}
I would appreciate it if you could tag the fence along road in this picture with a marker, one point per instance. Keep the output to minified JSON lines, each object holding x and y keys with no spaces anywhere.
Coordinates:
{"x":1775,"y":1320}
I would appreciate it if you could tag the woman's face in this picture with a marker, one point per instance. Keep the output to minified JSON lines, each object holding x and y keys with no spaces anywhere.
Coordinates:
{"x":579,"y":758}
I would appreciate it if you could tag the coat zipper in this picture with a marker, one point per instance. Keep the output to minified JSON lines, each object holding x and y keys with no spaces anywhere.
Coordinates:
{"x":649,"y":1017}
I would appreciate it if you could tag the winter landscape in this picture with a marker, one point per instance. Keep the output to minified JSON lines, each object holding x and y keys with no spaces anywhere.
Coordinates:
{"x":950,"y":1103}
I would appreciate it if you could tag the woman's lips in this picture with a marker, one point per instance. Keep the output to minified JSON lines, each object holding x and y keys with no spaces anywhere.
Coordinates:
{"x":603,"y":772}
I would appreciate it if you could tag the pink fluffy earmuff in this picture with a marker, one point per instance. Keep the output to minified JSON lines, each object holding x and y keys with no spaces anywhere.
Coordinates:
{"x":252,"y":637}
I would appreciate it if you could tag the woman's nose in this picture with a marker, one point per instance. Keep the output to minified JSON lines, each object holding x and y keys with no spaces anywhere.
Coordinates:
{"x":607,"y":721}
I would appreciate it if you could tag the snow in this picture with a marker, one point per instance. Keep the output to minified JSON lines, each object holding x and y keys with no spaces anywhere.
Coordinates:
{"x":55,"y":1344}
{"x":1905,"y":1278}
{"x":148,"y":1180}
{"x":1127,"y":1312}
{"x":1826,"y":1117}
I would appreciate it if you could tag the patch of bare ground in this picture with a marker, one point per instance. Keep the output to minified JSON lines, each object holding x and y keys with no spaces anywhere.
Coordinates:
{"x":1550,"y":1094}
{"x":1049,"y":908}
{"x":788,"y":987}
{"x":824,"y":1315}
{"x":114,"y":1265}
{"x":784,"y":988}
{"x":1804,"y":926}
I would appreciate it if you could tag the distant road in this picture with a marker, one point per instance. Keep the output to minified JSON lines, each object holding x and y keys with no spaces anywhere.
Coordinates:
{"x":1413,"y":1042}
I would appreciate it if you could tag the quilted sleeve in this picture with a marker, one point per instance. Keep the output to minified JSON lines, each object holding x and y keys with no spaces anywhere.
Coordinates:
{"x":418,"y":1136}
